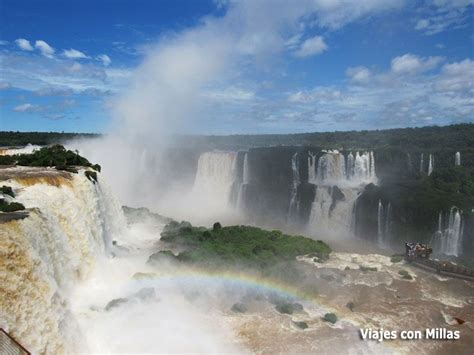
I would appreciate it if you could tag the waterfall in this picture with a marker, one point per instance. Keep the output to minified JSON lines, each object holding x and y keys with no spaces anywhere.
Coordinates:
{"x":388,"y":216}
{"x":430,"y":165}
{"x":409,"y":162}
{"x":334,"y":169}
{"x":380,"y":224}
{"x":448,"y":238}
{"x":312,"y":168}
{"x":71,"y":222}
{"x":332,"y":210}
{"x":331,"y":168}
{"x":338,"y":181}
{"x":364,"y":168}
{"x":421,"y":163}
{"x":350,"y":166}
{"x":244,"y":183}
{"x":457,"y":159}
{"x":214,"y":179}
{"x":293,"y":209}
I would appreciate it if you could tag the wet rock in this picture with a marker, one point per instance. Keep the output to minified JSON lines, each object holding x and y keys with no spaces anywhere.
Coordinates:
{"x":405,"y":275}
{"x":367,"y":268}
{"x":459,"y":320}
{"x":328,"y":277}
{"x":396,"y":258}
{"x":301,"y":325}
{"x":239,"y":308}
{"x":330,"y":317}
{"x":117,"y":302}
{"x":350,"y":305}
{"x":289,"y":308}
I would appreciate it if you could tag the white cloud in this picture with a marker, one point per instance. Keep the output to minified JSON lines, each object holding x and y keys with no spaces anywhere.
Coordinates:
{"x":105,"y":59}
{"x":74,"y":54}
{"x":422,"y":24}
{"x":24,"y":44}
{"x":311,"y":46}
{"x":5,"y":85}
{"x":359,"y":74}
{"x":442,"y":15}
{"x":457,"y":77}
{"x":3,"y":43}
{"x":26,"y":108}
{"x":44,"y":48}
{"x":411,"y":64}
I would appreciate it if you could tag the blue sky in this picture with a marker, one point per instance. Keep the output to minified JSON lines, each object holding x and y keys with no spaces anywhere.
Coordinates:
{"x":222,"y":67}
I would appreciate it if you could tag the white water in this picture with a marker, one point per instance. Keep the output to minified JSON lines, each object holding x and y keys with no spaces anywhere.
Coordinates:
{"x":350,"y":174}
{"x":214,"y":179}
{"x":294,"y":206}
{"x":380,"y":226}
{"x":28,"y":149}
{"x":383,"y":224}
{"x":430,"y":165}
{"x":421,"y":163}
{"x":328,"y":218}
{"x":71,"y":222}
{"x":448,"y":238}
{"x":457,"y":159}
{"x":245,"y":181}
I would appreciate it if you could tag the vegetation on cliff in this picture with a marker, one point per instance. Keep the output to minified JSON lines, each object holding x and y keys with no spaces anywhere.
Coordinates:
{"x":53,"y":156}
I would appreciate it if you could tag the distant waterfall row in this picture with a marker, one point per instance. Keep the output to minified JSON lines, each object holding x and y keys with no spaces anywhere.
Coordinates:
{"x":431,"y":162}
{"x":448,"y":238}
{"x":333,"y":168}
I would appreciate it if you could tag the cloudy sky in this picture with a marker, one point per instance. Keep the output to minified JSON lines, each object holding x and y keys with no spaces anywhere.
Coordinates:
{"x":222,"y":67}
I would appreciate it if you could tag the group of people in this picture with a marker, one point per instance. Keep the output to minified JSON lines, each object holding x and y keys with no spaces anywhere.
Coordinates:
{"x":412,"y":250}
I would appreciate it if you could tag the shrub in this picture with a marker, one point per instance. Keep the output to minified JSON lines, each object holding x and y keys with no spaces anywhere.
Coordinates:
{"x":10,"y":207}
{"x":7,"y":190}
{"x":91,"y":175}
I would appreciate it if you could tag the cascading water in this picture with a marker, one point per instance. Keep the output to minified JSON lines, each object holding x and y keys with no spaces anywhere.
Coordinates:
{"x":457,"y":159}
{"x":214,"y":179}
{"x":71,"y":222}
{"x":338,"y":181}
{"x":448,"y":238}
{"x":380,"y":224}
{"x":244,"y":183}
{"x":312,"y":168}
{"x":293,"y":209}
{"x":421,"y":163}
{"x":430,"y":165}
{"x":383,"y":223}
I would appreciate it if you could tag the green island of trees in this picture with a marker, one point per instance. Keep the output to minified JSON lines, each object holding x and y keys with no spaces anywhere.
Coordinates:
{"x":243,"y":248}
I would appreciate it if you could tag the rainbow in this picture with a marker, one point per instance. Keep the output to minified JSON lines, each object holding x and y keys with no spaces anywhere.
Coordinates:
{"x":245,"y":280}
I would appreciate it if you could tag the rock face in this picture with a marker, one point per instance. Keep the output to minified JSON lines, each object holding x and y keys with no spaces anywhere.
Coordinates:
{"x":330,"y":317}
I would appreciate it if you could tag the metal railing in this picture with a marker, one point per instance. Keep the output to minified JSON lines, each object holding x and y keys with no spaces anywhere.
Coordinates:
{"x":9,"y":346}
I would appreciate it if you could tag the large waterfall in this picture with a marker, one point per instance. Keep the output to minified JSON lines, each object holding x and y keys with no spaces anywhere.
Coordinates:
{"x":448,"y":238}
{"x":338,"y":181}
{"x":71,"y":222}
{"x":214,"y":179}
